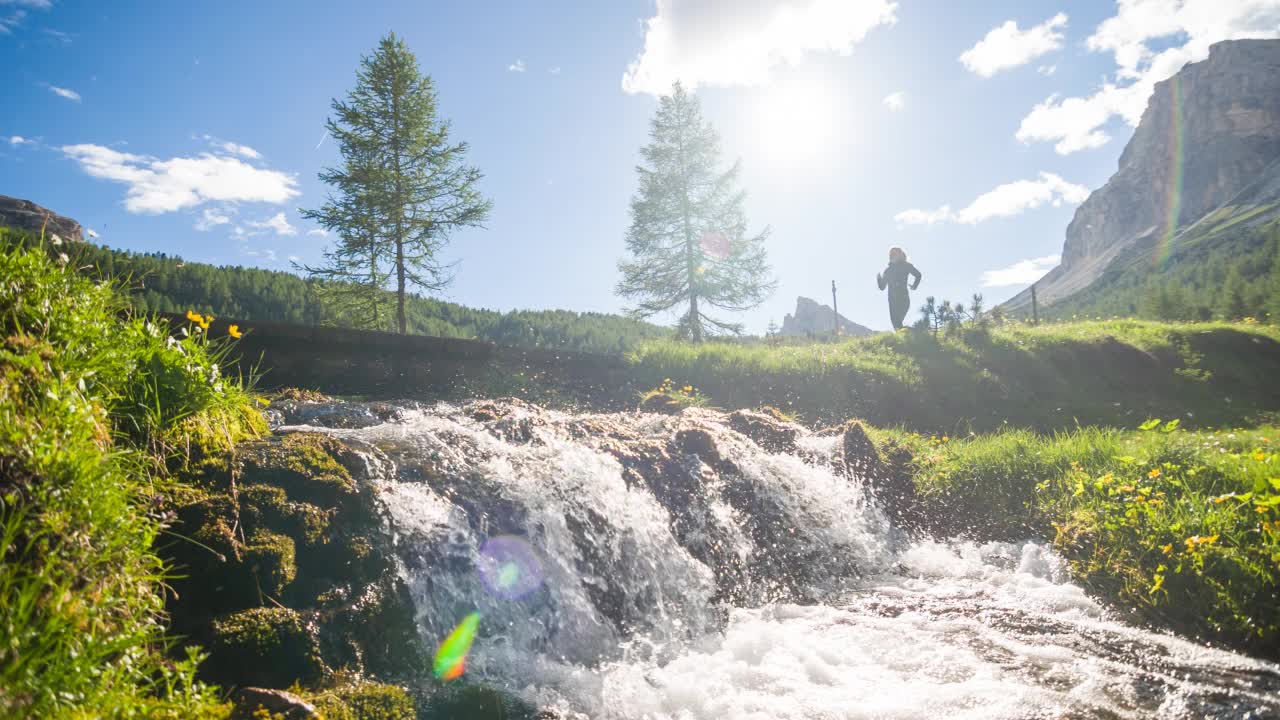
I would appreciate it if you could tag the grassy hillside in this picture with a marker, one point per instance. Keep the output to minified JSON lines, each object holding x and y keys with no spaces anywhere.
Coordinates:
{"x":159,"y":282}
{"x":1226,"y":266}
{"x":1113,"y":373}
{"x":1182,"y":529}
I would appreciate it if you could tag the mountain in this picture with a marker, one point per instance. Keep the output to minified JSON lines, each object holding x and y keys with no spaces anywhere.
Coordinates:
{"x":26,"y":215}
{"x":1200,"y":178}
{"x":812,"y":319}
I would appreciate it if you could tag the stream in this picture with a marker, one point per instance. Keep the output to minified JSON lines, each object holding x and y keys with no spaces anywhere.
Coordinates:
{"x":649,"y":566}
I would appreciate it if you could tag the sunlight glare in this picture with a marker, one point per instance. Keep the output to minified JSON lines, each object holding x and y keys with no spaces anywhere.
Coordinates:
{"x":795,"y":126}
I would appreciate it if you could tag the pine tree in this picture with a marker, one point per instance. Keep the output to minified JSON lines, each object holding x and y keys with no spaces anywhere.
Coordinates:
{"x":1231,"y":301}
{"x":688,"y":238}
{"x":403,"y":187}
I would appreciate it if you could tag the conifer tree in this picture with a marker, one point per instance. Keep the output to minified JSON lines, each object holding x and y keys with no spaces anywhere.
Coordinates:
{"x":403,"y":187}
{"x":689,"y":243}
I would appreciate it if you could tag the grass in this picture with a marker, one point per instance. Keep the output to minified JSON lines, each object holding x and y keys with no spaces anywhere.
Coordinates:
{"x":93,"y":403}
{"x":1181,"y":527}
{"x":1054,"y":376}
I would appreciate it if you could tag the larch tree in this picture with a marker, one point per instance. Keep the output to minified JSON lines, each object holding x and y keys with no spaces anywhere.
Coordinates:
{"x":688,"y":242}
{"x":403,"y":188}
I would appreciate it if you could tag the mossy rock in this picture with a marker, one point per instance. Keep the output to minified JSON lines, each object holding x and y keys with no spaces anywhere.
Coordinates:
{"x":272,"y":560}
{"x":373,"y":629}
{"x":305,"y":465}
{"x":272,"y":647}
{"x":478,"y":702}
{"x":364,"y":700}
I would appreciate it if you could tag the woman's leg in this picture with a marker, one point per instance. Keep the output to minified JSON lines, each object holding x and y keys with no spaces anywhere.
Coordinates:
{"x":898,"y":306}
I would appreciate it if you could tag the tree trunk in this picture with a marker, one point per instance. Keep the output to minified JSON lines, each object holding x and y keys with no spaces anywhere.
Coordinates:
{"x":401,"y":323}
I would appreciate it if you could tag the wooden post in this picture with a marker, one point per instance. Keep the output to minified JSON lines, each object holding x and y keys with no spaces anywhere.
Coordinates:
{"x":835,"y":311}
{"x":1035,"y":307}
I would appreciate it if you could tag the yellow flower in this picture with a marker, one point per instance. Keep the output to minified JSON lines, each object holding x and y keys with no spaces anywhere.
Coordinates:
{"x":195,"y":317}
{"x":1106,"y":479}
{"x":234,"y":331}
{"x":1125,"y":488}
{"x":946,"y":438}
{"x":1155,"y":473}
{"x":1166,"y":549}
{"x":204,"y":322}
{"x":1223,"y":498}
{"x":1260,"y":456}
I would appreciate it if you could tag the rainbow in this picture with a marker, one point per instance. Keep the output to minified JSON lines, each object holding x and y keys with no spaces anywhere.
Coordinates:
{"x":1173,"y":203}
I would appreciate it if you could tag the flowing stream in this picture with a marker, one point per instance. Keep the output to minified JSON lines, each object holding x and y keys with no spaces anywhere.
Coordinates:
{"x":646,"y":566}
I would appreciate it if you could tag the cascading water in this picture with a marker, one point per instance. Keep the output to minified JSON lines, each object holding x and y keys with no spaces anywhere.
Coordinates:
{"x":645,"y":566}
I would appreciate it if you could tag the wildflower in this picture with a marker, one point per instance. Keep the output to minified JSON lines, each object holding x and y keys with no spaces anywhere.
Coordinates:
{"x":204,"y":322}
{"x":62,"y":258}
{"x":195,"y":317}
{"x":1167,"y":549}
{"x":1155,"y":473}
{"x":1260,"y":456}
{"x":234,"y":331}
{"x":946,"y":438}
{"x":1223,"y":498}
{"x":1125,"y":488}
{"x":1260,"y":509}
{"x":1107,"y":479}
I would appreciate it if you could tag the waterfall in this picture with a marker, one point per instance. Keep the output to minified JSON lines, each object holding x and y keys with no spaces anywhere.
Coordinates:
{"x":710,"y":566}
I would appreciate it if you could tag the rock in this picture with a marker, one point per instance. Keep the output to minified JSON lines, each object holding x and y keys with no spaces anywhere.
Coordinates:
{"x":814,"y":320}
{"x":768,"y":429}
{"x":887,"y":479}
{"x":660,"y":403}
{"x":1227,"y":109}
{"x":26,"y":215}
{"x":264,"y":646}
{"x":250,"y":701}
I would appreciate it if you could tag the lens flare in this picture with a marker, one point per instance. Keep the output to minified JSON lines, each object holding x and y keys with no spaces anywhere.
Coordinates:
{"x":1173,"y":204}
{"x":451,"y":656}
{"x":509,"y":567}
{"x":715,"y":245}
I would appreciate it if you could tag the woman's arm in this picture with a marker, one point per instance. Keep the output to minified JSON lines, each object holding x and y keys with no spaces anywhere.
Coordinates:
{"x":916,"y":273}
{"x":880,"y":280}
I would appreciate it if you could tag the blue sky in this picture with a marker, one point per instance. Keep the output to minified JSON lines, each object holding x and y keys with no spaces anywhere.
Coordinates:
{"x":195,"y":128}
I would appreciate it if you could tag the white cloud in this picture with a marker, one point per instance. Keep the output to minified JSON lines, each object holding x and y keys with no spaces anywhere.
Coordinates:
{"x":1183,"y":28}
{"x":1008,"y":47}
{"x":1047,"y":69}
{"x":63,"y":37}
{"x":278,"y":222}
{"x":517,"y":66}
{"x":213,"y":217}
{"x":17,"y":140}
{"x":555,"y":70}
{"x":91,"y":233}
{"x":318,"y":232}
{"x":730,"y":42}
{"x":11,"y":21}
{"x":895,"y":101}
{"x":268,"y":254}
{"x":38,"y":4}
{"x":230,"y":148}
{"x":916,"y":216}
{"x":1005,"y":200}
{"x":160,"y":186}
{"x":1023,"y":272}
{"x":65,"y":93}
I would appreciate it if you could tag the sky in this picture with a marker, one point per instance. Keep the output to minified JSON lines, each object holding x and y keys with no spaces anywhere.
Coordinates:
{"x":967,"y":133}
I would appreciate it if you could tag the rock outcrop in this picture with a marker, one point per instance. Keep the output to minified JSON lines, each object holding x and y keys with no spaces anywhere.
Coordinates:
{"x":26,"y":215}
{"x":1209,"y":138}
{"x":814,"y":319}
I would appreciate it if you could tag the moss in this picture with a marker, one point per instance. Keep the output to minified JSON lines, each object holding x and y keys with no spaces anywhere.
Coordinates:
{"x":364,"y":700}
{"x":273,"y":647}
{"x":272,"y":560}
{"x":305,"y":465}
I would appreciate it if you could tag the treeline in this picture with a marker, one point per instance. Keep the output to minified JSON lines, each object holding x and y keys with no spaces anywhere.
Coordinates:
{"x":1225,"y":278}
{"x":158,"y":282}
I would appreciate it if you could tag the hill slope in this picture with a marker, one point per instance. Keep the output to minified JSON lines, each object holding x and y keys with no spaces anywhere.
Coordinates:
{"x":164,"y":283}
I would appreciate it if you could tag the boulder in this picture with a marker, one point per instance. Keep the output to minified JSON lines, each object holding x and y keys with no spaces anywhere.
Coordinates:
{"x":251,"y":701}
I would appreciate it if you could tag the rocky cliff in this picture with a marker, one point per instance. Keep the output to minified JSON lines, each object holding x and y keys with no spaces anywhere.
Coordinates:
{"x":26,"y":215}
{"x":811,"y":318}
{"x":1209,"y":138}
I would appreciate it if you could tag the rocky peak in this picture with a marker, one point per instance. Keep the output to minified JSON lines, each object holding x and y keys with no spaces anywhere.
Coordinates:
{"x":26,"y":215}
{"x":1208,"y":133}
{"x":812,"y":318}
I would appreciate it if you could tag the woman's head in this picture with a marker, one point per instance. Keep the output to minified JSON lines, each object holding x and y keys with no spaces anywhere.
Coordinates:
{"x":897,"y":254}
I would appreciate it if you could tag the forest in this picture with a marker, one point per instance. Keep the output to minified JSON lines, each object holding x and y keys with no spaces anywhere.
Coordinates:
{"x":157,"y":282}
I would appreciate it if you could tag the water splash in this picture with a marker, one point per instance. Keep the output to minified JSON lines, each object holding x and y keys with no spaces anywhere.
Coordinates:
{"x":1173,"y":202}
{"x":684,"y":573}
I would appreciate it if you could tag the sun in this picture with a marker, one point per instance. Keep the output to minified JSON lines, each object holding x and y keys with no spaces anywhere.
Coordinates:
{"x":795,"y":126}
